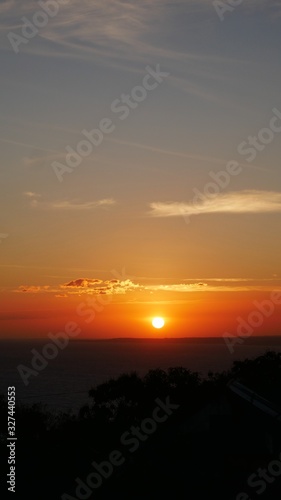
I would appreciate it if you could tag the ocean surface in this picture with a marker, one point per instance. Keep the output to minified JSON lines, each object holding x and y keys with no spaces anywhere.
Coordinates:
{"x":64,"y":383}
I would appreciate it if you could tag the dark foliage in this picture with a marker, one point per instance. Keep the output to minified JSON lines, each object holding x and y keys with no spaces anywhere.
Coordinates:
{"x":55,"y":449}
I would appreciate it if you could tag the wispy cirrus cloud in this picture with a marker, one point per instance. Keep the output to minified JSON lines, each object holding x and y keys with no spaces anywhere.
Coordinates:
{"x":240,"y":202}
{"x":106,"y":31}
{"x":35,"y":202}
{"x":75,"y":205}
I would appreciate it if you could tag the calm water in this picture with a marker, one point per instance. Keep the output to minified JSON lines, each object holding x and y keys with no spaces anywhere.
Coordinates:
{"x":65,"y":381}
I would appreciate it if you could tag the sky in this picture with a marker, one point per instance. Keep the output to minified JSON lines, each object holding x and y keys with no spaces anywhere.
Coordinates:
{"x":140,"y":167}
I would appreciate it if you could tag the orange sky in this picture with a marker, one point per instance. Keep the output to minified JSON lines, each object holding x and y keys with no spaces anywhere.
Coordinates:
{"x":190,"y":313}
{"x":181,"y":189}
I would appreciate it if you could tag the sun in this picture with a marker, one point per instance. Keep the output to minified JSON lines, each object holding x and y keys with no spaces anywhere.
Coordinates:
{"x":158,"y":322}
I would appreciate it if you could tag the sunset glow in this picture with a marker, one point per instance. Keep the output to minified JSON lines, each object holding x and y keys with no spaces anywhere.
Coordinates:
{"x":140,"y":170}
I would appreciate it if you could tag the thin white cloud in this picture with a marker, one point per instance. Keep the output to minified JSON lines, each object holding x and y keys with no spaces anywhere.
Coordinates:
{"x":71,"y":205}
{"x":248,"y":201}
{"x":67,"y":204}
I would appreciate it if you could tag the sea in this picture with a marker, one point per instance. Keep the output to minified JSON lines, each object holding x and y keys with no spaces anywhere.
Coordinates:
{"x":62,"y":383}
